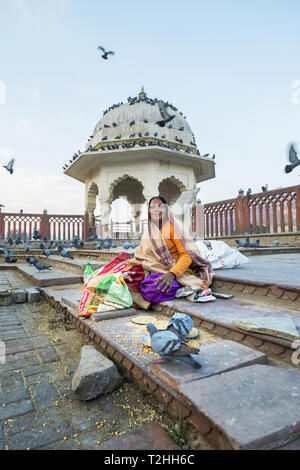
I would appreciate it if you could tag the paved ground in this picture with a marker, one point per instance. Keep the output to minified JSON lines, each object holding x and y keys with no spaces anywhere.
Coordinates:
{"x":38,"y":409}
{"x":282,"y":269}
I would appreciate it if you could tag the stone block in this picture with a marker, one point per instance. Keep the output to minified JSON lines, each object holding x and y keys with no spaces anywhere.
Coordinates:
{"x":19,"y":296}
{"x":281,"y":327}
{"x":6,"y":297}
{"x":255,"y":407}
{"x":95,"y":375}
{"x":33,"y":295}
{"x":150,"y":436}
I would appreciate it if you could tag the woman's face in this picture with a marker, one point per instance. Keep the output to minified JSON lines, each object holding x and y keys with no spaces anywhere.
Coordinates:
{"x":157,"y":210}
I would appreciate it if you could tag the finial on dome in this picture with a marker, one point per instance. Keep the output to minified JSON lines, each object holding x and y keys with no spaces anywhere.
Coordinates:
{"x":142,"y":93}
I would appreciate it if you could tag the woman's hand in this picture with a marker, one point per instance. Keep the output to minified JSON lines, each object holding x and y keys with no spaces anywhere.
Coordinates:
{"x":165,"y":281}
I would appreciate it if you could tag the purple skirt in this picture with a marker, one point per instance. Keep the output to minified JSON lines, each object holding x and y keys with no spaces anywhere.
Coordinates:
{"x":151,"y":293}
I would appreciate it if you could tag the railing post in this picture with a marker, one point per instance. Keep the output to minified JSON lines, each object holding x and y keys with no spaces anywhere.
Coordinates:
{"x":45,"y":226}
{"x":239,"y":225}
{"x":298,"y":209}
{"x":1,"y":225}
{"x":86,"y":226}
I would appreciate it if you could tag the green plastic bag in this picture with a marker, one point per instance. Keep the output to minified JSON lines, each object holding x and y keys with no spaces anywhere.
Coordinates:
{"x":104,"y":284}
{"x":119,"y":293}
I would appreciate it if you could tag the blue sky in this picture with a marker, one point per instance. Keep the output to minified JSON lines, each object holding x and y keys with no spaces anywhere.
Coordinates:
{"x":229,"y":66}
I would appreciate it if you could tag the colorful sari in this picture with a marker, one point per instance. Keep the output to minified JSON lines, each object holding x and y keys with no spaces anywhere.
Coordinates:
{"x":155,"y":257}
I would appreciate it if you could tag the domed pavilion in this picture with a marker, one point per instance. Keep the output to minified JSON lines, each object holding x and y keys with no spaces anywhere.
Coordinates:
{"x":130,"y":155}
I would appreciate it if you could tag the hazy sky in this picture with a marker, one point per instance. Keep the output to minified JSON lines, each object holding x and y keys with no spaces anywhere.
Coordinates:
{"x":229,"y":66}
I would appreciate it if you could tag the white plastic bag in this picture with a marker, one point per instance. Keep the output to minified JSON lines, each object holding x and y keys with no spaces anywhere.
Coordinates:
{"x":220,"y":255}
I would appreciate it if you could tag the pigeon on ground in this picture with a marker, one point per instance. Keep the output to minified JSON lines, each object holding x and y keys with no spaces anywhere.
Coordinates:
{"x":41,"y":266}
{"x":255,"y":244}
{"x":126,"y":245}
{"x":244,"y":243}
{"x":18,"y":241}
{"x":181,"y":324}
{"x":107,"y":244}
{"x":293,"y":158}
{"x":99,"y":246}
{"x":9,"y":166}
{"x":36,"y":235}
{"x":169,"y":346}
{"x":26,"y":249}
{"x":105,"y":53}
{"x":264,"y":188}
{"x":166,"y":117}
{"x":42,"y":246}
{"x":276,"y":242}
{"x":30,"y":260}
{"x":93,"y":237}
{"x":48,"y":252}
{"x":64,"y":253}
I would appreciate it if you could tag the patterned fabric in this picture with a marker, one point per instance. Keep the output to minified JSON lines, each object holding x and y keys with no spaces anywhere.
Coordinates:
{"x":155,"y":257}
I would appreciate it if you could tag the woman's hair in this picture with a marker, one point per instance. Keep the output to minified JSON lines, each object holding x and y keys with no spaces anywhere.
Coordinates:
{"x":158,"y":197}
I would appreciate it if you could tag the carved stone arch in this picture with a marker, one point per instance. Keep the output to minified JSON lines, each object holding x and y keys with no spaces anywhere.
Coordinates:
{"x":129,"y":186}
{"x":91,"y":200}
{"x":93,"y":188}
{"x":170,"y":188}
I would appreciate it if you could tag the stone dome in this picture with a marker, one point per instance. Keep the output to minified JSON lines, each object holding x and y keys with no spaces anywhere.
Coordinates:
{"x":136,"y":121}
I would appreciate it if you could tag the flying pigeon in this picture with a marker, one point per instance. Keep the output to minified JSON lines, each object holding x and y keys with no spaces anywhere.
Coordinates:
{"x":166,"y":117}
{"x":293,"y":158}
{"x":7,"y":255}
{"x":181,"y":324}
{"x":105,"y":53}
{"x":9,"y":166}
{"x":40,"y":266}
{"x":169,"y":346}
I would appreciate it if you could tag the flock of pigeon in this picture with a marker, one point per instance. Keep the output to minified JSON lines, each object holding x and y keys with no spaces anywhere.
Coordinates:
{"x":46,"y":251}
{"x":247,"y":244}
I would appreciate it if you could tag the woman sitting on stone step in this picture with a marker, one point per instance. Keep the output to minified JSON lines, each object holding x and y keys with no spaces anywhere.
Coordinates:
{"x":166,"y":248}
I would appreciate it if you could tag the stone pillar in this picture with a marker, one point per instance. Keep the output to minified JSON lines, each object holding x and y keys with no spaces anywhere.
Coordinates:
{"x":136,"y":213}
{"x":86,"y":226}
{"x":105,"y":210}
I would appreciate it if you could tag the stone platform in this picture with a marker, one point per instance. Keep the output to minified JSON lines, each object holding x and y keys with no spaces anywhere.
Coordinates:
{"x":255,"y":401}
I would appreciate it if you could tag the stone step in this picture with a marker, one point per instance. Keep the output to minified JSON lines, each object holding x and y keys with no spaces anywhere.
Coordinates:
{"x":151,"y":436}
{"x":255,"y":407}
{"x":270,"y":276}
{"x":218,"y":316}
{"x":46,"y":278}
{"x":229,"y":401}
